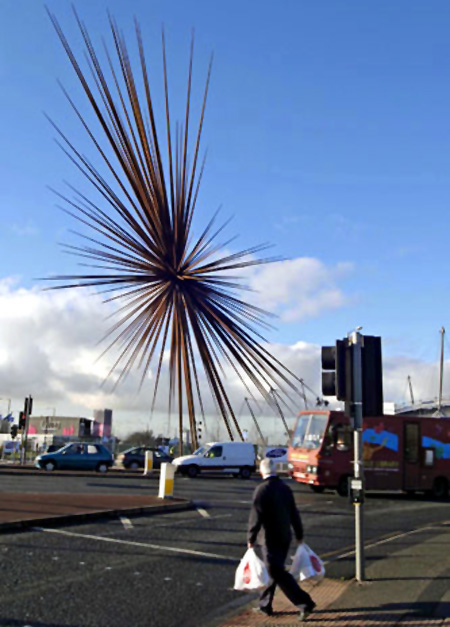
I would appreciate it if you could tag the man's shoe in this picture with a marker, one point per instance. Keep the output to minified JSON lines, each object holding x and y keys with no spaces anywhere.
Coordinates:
{"x":268,"y":611}
{"x":305,"y":610}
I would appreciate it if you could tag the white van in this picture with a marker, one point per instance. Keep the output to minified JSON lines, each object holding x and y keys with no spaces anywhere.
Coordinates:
{"x":236,"y":458}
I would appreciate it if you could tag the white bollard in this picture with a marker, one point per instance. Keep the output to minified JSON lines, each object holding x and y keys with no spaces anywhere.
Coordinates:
{"x":166,"y":481}
{"x":148,"y":466}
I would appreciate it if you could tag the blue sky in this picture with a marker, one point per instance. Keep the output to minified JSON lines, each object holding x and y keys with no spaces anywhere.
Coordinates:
{"x":328,"y":134}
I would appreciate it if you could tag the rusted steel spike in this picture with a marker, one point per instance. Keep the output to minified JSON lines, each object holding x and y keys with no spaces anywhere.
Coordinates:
{"x":173,"y":291}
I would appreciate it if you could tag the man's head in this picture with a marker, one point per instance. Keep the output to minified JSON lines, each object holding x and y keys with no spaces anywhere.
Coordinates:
{"x":267,"y":467}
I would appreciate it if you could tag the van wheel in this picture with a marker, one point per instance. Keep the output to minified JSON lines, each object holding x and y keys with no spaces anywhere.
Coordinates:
{"x":192,"y":471}
{"x":245,"y":472}
{"x":342,"y":488}
{"x":440,"y":488}
{"x":318,"y":489}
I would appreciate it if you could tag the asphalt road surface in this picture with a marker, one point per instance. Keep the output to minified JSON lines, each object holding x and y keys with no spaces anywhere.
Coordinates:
{"x":173,"y":569}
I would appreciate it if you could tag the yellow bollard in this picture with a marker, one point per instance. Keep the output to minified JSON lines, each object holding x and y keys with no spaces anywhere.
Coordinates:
{"x":166,"y":481}
{"x":148,"y":467}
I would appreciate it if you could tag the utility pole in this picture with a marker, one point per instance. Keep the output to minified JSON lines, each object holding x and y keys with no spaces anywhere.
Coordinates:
{"x":441,"y":372}
{"x":356,"y":341}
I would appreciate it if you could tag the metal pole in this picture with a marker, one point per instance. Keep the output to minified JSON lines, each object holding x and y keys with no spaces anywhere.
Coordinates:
{"x":441,"y":371}
{"x":263,"y":440}
{"x":411,"y":390}
{"x":273,"y":392}
{"x":357,"y":343}
{"x":23,"y":454}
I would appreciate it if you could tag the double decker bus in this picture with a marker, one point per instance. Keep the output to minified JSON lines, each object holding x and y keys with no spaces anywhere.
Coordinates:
{"x":400,"y":453}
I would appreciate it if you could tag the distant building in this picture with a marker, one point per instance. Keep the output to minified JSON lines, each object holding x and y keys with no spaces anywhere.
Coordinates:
{"x":68,"y":426}
{"x":103,"y":422}
{"x":73,"y":427}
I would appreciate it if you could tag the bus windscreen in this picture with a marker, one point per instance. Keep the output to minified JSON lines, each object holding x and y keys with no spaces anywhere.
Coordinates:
{"x":310,"y":431}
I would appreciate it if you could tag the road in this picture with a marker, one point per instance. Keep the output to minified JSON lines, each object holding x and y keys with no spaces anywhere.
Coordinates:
{"x":173,"y":569}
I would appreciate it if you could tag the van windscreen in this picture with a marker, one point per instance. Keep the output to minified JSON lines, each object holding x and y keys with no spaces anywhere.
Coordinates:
{"x":201,"y":450}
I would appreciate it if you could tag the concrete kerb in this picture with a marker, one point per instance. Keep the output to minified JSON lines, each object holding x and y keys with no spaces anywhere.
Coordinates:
{"x":69,"y":519}
{"x":114,"y":472}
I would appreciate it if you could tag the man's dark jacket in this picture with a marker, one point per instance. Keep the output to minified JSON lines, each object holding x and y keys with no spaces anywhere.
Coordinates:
{"x":274,"y":510}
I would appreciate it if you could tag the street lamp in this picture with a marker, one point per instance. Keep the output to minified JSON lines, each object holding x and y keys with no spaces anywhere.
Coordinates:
{"x":46,"y":426}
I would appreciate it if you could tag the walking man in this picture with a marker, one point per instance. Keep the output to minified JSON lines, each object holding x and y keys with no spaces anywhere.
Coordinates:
{"x":272,"y":515}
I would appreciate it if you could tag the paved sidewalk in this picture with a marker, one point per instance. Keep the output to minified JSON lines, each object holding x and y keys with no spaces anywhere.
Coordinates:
{"x":408,"y":585}
{"x":19,"y":510}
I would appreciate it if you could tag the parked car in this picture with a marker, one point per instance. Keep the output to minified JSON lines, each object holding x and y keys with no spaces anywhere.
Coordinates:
{"x":53,"y":447}
{"x":235,"y":458}
{"x":134,"y":458}
{"x":77,"y":456}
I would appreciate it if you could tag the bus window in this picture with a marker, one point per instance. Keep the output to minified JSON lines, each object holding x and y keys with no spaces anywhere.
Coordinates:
{"x":343,"y":438}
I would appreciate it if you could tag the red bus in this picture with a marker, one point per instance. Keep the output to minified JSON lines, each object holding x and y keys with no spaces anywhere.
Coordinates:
{"x":401,"y":453}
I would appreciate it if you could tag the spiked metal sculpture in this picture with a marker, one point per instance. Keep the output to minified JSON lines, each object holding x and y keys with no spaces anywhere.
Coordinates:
{"x":176,"y":289}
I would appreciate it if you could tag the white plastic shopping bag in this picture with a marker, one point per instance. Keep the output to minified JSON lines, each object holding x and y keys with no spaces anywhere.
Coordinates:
{"x":251,"y":573}
{"x":307,"y":565}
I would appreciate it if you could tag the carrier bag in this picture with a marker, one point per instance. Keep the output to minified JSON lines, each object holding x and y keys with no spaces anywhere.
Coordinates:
{"x":251,"y":573}
{"x":307,"y":565}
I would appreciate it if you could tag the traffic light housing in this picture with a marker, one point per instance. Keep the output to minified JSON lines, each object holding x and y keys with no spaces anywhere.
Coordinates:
{"x":372,"y":376}
{"x":337,"y":375}
{"x":28,"y":406}
{"x":337,"y":366}
{"x":22,"y":420}
{"x":14,"y":430}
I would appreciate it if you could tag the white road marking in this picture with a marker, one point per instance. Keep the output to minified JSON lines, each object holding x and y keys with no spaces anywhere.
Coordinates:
{"x":203,"y":512}
{"x":379,"y":542}
{"x":191,"y":520}
{"x":157,"y":547}
{"x":126,"y":522}
{"x":231,"y":501}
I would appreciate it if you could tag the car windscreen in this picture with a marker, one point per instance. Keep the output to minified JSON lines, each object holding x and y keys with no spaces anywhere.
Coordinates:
{"x":310,"y":431}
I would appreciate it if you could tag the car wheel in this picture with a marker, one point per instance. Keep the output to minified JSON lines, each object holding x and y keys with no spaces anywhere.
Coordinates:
{"x":342,"y":488}
{"x":133,"y":465}
{"x":318,"y":489}
{"x":50,"y":466}
{"x":102,"y":467}
{"x":440,"y":488}
{"x":192,"y":471}
{"x":245,"y":472}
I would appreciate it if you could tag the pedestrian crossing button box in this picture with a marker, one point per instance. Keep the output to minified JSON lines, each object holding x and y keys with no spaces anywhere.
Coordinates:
{"x":356,"y":490}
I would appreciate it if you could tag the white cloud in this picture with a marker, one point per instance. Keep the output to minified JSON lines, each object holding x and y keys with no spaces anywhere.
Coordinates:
{"x":49,"y":348}
{"x":300,"y":288}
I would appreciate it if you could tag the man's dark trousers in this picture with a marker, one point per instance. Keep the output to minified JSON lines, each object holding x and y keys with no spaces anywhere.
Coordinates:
{"x":274,"y":558}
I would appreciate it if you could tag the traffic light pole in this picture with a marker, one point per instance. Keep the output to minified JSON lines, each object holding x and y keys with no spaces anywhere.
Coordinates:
{"x":27,"y":413}
{"x":356,"y":341}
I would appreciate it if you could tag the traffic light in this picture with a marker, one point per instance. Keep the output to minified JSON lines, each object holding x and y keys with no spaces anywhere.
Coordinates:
{"x":14,"y":430}
{"x":337,"y":364}
{"x":28,"y":406}
{"x":372,"y":376}
{"x":337,"y":378}
{"x":199,"y":431}
{"x":22,"y":420}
